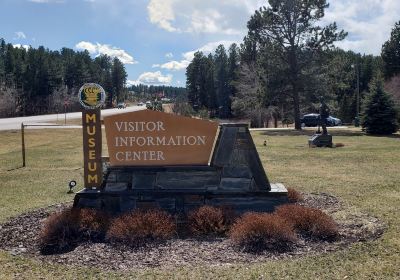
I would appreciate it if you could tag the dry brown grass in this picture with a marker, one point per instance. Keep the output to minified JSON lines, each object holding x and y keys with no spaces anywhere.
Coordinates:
{"x":139,"y":228}
{"x":210,"y":220}
{"x":309,"y":222}
{"x":261,"y":231}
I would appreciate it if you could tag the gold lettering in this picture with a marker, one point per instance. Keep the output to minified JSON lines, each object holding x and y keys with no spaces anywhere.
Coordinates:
{"x":91,"y":178}
{"x":92,"y":143}
{"x":92,"y":154}
{"x":92,"y":167}
{"x":90,"y":118}
{"x":91,"y":132}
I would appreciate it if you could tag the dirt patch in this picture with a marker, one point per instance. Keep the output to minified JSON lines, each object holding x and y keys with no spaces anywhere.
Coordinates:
{"x":19,"y":237}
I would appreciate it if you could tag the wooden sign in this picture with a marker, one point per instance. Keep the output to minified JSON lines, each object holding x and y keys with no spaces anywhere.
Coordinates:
{"x":91,"y":125}
{"x":92,"y":97}
{"x":150,"y":138}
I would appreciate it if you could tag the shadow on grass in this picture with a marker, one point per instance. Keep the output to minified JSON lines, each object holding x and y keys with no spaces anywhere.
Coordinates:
{"x":395,"y":136}
{"x":15,"y":168}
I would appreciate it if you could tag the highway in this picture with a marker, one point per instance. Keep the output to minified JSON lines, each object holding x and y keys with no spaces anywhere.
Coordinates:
{"x":15,"y":123}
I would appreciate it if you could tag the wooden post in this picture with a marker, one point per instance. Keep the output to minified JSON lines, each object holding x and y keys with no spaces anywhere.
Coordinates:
{"x":91,"y":130}
{"x":23,"y":143}
{"x":65,"y":114}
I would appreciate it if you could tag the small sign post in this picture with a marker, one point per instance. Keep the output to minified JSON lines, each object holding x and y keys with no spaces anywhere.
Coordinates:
{"x":92,"y":97}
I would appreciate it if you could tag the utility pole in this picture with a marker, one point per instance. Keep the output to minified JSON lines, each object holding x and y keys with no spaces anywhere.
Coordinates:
{"x":358,"y":91}
{"x":356,"y":67}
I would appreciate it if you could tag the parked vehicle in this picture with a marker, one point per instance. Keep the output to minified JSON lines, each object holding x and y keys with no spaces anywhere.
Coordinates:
{"x":310,"y":120}
{"x":140,"y":104}
{"x":313,"y":120}
{"x":121,"y":105}
{"x":336,"y":121}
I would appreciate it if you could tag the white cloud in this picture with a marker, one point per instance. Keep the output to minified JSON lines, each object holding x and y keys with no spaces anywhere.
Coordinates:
{"x":187,"y":57}
{"x":154,"y":78}
{"x":131,"y":83}
{"x":26,"y":47}
{"x":20,"y":35}
{"x":162,"y":14}
{"x":169,"y":55}
{"x":99,"y":49}
{"x":369,"y":24}
{"x":175,"y":65}
{"x":91,"y":48}
{"x":208,"y":48}
{"x":203,"y":16}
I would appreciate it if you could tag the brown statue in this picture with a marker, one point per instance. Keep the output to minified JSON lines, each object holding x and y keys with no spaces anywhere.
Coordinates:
{"x":323,"y":115}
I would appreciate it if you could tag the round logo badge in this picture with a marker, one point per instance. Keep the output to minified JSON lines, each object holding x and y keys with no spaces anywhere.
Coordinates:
{"x":91,"y":95}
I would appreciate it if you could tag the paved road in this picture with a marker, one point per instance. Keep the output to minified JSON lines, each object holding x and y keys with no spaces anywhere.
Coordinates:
{"x":15,"y":123}
{"x":292,"y":128}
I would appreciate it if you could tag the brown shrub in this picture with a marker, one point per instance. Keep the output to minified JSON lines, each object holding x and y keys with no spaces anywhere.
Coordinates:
{"x":294,"y":196}
{"x":63,"y":230}
{"x":210,"y":220}
{"x":262,"y":231}
{"x":309,"y":222}
{"x":60,"y":232}
{"x":93,"y":224}
{"x":138,"y":228}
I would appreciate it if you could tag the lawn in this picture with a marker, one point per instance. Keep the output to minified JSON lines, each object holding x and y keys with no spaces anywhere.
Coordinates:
{"x":364,"y":174}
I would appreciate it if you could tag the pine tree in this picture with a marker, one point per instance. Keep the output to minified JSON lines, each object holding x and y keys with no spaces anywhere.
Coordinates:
{"x":210,"y":85}
{"x":194,"y":80}
{"x":391,"y":53}
{"x":233,"y":65}
{"x":119,"y":76}
{"x":292,"y":28}
{"x":221,"y":81}
{"x":379,"y":114}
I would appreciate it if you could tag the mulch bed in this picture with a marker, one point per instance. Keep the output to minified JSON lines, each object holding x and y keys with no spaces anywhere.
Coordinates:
{"x":19,"y":237}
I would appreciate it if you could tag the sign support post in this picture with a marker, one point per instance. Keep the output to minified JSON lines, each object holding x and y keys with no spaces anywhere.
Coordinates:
{"x":92,"y":144}
{"x":92,"y":97}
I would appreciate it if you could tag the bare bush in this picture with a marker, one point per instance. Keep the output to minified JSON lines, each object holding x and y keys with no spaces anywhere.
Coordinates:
{"x":210,"y":220}
{"x":261,"y":231}
{"x":294,"y":196}
{"x":139,"y":228}
{"x":309,"y":222}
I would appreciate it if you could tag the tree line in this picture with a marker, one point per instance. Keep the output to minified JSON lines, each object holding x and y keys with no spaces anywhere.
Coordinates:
{"x":209,"y":80}
{"x":37,"y":81}
{"x":285,"y":62}
{"x":151,"y":91}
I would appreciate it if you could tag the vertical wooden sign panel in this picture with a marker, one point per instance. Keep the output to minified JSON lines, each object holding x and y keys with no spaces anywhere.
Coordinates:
{"x":91,"y":128}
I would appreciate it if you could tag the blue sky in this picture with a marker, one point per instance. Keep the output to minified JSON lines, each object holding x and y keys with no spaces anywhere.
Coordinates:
{"x":156,"y":39}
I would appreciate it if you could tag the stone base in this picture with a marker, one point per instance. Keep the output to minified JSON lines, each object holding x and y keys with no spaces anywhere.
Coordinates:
{"x":179,"y":201}
{"x":234,"y":178}
{"x":320,"y":140}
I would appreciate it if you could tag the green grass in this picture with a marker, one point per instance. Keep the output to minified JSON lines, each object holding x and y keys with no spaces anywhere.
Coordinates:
{"x":364,"y":174}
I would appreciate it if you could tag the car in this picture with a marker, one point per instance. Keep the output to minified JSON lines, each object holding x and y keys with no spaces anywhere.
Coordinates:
{"x":310,"y":120}
{"x":140,"y":104}
{"x":121,"y":105}
{"x":313,"y":120}
{"x":336,"y":121}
